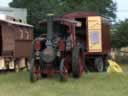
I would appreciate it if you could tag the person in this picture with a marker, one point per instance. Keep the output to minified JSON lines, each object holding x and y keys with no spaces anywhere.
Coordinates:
{"x":68,"y":43}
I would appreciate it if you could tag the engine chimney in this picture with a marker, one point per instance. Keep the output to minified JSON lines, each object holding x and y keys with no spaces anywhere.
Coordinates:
{"x":50,"y":26}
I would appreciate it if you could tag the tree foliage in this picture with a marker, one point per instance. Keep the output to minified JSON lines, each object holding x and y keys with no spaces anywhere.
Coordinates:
{"x":120,"y":34}
{"x":37,"y":9}
{"x":105,"y":8}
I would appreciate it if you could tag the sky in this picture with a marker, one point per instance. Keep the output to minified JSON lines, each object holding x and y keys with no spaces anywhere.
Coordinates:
{"x":122,"y":8}
{"x":4,"y":3}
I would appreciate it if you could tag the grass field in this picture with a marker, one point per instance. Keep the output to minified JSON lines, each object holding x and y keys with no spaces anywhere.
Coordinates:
{"x":91,"y":84}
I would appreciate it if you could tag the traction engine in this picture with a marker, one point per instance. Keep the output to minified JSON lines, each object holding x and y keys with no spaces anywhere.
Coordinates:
{"x":57,"y":53}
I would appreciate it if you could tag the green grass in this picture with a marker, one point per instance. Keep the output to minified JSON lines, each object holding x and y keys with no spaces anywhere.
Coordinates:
{"x":91,"y":84}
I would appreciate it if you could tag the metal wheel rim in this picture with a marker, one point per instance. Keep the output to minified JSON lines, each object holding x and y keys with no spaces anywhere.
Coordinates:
{"x":99,"y":64}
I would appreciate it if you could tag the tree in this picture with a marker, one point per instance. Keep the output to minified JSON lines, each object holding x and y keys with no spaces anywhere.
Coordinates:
{"x":106,"y":8}
{"x":37,"y":9}
{"x":120,"y":34}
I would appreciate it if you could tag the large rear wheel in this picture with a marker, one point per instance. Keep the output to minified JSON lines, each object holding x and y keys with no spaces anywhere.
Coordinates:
{"x":77,"y":62}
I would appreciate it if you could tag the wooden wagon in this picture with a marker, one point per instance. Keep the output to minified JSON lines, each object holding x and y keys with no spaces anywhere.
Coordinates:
{"x":15,"y":43}
{"x":94,"y":37}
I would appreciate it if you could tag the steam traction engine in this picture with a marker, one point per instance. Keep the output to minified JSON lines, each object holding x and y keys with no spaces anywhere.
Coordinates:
{"x":57,"y":53}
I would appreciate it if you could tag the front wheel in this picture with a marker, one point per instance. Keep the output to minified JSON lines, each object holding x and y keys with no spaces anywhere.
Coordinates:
{"x":63,"y":71}
{"x":34,"y":70}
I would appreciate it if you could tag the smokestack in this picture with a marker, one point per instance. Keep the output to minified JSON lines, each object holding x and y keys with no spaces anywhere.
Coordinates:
{"x":50,"y":26}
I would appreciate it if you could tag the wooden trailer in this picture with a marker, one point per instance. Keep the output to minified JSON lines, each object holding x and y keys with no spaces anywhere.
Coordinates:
{"x":94,"y":37}
{"x":15,"y":44}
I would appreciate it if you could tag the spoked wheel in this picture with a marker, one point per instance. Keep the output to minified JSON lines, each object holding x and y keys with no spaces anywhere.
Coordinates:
{"x":77,"y":62}
{"x":105,"y":63}
{"x":34,"y":71}
{"x":63,"y":71}
{"x":42,"y":68}
{"x":99,"y":64}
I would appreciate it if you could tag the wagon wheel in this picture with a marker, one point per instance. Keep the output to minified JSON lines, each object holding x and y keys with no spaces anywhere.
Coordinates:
{"x":63,"y":71}
{"x":99,"y":64}
{"x":77,"y":62}
{"x":106,"y":64}
{"x":34,"y":71}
